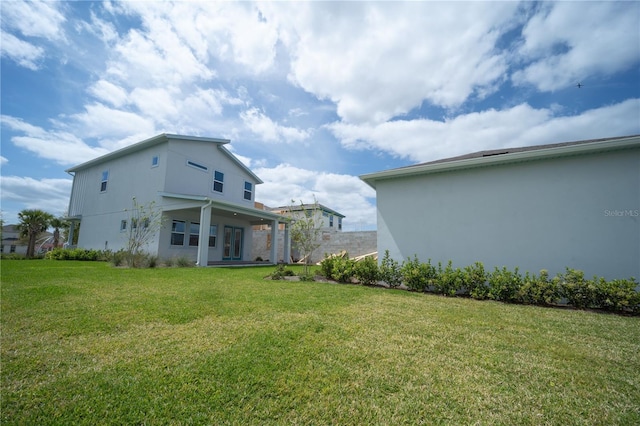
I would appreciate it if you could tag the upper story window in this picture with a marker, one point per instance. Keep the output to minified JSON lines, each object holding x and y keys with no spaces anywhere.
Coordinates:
{"x":154,"y":161}
{"x":104,"y":180}
{"x":197,"y":166}
{"x":248,"y":190}
{"x":123,"y":225}
{"x":218,"y":181}
{"x":177,"y":232}
{"x":340,"y":223}
{"x":330,"y":221}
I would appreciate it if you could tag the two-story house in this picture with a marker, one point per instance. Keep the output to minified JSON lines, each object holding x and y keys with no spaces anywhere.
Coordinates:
{"x":206,"y":196}
{"x":328,"y":219}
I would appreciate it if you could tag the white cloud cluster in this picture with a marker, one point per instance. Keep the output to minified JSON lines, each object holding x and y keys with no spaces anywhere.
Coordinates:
{"x":568,"y":42}
{"x":62,"y":147}
{"x":35,"y":20}
{"x":377,"y":60}
{"x":50,"y":195}
{"x":425,"y":140}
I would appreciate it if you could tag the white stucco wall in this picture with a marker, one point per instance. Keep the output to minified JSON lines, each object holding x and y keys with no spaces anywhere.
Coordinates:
{"x":580,"y":212}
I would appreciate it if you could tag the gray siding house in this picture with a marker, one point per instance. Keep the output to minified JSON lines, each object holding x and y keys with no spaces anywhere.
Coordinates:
{"x":205,"y":193}
{"x":574,"y":204}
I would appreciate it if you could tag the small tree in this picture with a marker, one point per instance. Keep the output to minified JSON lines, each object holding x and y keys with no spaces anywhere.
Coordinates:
{"x":58,"y":223}
{"x":145,"y":220}
{"x":33,"y":223}
{"x":306,"y":224}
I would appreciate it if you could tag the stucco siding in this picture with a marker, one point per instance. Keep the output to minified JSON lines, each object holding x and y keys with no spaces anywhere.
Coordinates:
{"x":545,"y":214}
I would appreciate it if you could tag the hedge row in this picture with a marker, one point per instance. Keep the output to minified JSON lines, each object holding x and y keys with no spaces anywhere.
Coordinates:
{"x":570,"y":288}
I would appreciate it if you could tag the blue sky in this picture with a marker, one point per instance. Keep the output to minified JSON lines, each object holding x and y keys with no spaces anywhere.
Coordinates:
{"x":311,"y":94}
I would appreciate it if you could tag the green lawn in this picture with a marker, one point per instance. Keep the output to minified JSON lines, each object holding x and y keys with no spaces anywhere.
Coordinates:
{"x":86,"y":343}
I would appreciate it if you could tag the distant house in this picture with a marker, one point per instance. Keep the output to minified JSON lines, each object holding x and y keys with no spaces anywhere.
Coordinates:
{"x":205,"y":193}
{"x":574,"y":204}
{"x":329,"y":219}
{"x":12,"y":243}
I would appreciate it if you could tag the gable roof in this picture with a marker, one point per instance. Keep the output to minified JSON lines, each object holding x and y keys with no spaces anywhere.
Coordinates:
{"x":507,"y":155}
{"x":156,"y":140}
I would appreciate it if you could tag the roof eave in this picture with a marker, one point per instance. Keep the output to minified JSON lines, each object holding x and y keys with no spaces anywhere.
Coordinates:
{"x":163,"y":137}
{"x":599,"y":146}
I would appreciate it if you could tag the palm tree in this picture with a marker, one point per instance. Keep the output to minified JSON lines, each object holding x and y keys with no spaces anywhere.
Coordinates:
{"x":57,"y":223}
{"x":32,"y":223}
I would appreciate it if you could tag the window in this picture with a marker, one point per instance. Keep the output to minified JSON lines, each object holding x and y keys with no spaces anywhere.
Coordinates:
{"x":177,"y":232}
{"x":123,"y":225}
{"x":197,"y":166}
{"x":330,"y":221}
{"x":218,"y":181}
{"x":248,"y":189}
{"x":154,"y":161}
{"x":103,"y":182}
{"x":194,"y":234}
{"x":12,"y":249}
{"x":340,"y":223}
{"x":213,"y":235}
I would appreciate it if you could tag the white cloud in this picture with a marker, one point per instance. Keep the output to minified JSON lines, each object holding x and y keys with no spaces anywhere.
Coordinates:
{"x":34,"y":18}
{"x":50,"y":195}
{"x":344,"y":193}
{"x":3,"y":160}
{"x":522,"y":125}
{"x":269,"y":130}
{"x":109,"y":92}
{"x":568,"y":42}
{"x":377,"y":60}
{"x":100,"y":121}
{"x":61,"y":147}
{"x":23,"y":53}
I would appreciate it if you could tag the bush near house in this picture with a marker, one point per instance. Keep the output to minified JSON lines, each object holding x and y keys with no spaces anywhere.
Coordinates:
{"x":570,"y":288}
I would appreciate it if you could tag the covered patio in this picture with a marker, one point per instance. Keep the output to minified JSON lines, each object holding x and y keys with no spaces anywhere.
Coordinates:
{"x":234,"y":219}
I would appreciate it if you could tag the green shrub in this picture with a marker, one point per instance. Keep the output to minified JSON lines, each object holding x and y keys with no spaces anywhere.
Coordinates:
{"x":281,"y":272}
{"x":169,"y":262}
{"x":504,"y":284}
{"x":578,"y":291}
{"x":390,"y":271}
{"x":449,"y":280}
{"x":617,"y":295}
{"x":475,"y":281}
{"x":366,"y":271}
{"x":343,"y":269}
{"x":77,"y":254}
{"x":184,"y":262}
{"x":326,"y":266}
{"x":418,"y":276}
{"x":539,"y":290}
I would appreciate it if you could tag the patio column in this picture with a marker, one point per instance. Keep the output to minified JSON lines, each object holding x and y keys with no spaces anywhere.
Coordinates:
{"x":72,"y":231}
{"x":203,"y":237}
{"x":287,"y":244}
{"x":274,"y":242}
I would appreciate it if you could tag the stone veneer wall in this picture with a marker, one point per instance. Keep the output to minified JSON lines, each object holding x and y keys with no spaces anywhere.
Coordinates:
{"x":355,"y":243}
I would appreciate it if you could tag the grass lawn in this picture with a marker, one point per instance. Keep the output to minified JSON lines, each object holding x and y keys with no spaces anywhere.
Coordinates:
{"x":86,"y":343}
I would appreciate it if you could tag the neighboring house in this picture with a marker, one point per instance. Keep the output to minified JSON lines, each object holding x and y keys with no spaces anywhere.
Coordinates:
{"x":205,"y":193}
{"x":12,"y":243}
{"x":329,"y":219}
{"x":331,"y":238}
{"x":574,"y":204}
